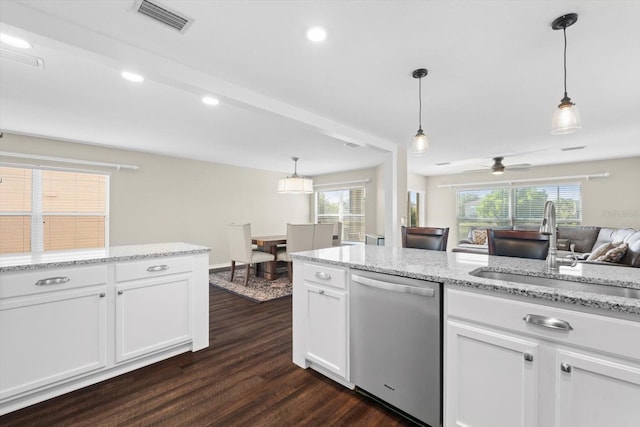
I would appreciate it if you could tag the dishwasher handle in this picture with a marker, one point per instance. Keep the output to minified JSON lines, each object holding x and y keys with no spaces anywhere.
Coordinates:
{"x":393,"y":287}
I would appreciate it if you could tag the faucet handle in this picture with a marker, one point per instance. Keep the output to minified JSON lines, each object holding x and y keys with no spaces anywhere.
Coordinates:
{"x":573,"y":255}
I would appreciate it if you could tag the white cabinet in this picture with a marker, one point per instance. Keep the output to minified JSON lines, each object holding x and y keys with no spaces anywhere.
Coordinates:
{"x":153,"y":306}
{"x":592,"y":391}
{"x":50,"y":337}
{"x":492,"y":378}
{"x":65,"y":328}
{"x":514,"y":363}
{"x":320,"y":327}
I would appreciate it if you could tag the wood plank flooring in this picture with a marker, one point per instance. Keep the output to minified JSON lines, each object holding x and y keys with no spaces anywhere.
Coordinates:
{"x":244,"y":378}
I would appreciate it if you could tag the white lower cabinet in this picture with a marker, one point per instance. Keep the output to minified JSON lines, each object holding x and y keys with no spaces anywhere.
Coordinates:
{"x":152,"y":314}
{"x":326,"y":328}
{"x":320,"y":319}
{"x":592,"y":391}
{"x":51,"y":337}
{"x":555,"y":368}
{"x":491,"y":377}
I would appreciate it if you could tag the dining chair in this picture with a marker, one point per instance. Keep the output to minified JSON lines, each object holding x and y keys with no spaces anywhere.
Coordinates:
{"x":322,"y":236}
{"x":240,"y":249}
{"x":430,"y":238}
{"x":299,"y":238}
{"x":518,"y":243}
{"x":337,"y":231}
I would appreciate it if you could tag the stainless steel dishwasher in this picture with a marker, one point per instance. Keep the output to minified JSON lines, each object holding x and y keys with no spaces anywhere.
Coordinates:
{"x":396,"y":341}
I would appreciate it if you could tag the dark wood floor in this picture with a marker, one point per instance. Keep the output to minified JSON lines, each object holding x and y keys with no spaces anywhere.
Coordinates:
{"x":244,"y":378}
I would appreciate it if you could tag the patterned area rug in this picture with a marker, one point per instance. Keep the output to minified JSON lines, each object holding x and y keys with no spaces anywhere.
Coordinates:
{"x":258,"y":289}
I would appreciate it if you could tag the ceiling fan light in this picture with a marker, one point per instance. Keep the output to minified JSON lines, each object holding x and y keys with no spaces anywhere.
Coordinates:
{"x":566,"y":119}
{"x":420,"y":143}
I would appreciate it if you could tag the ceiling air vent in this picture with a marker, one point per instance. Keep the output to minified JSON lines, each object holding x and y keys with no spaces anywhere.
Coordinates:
{"x":162,"y":14}
{"x":21,"y":58}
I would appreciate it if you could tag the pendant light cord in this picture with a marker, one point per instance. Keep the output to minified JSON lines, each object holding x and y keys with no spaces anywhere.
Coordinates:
{"x":564,"y":30}
{"x":420,"y":103}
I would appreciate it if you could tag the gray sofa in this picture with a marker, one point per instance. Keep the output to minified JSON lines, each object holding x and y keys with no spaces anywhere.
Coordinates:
{"x":586,"y":240}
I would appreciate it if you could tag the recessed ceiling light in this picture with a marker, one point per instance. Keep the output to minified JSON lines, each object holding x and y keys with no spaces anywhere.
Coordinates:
{"x":210,"y":100}
{"x":316,"y":34}
{"x":132,"y":77}
{"x":14,"y":41}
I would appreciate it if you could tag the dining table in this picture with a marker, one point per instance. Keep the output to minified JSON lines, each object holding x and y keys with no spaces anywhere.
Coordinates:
{"x":269,"y":244}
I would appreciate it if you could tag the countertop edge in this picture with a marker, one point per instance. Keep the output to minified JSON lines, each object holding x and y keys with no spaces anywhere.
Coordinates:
{"x":586,"y":299}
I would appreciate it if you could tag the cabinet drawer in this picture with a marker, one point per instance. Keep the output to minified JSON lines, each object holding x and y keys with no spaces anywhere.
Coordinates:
{"x":606,"y":334}
{"x":19,"y":283}
{"x":321,"y":274}
{"x":152,"y":267}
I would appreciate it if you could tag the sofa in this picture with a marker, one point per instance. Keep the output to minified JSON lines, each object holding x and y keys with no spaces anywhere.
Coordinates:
{"x":592,"y":244}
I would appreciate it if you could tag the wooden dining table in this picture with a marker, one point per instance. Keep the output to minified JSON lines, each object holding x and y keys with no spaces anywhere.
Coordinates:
{"x":269,"y":244}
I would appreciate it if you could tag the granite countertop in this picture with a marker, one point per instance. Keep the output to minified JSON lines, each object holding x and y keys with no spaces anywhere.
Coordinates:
{"x":52,"y":259}
{"x":454,"y":268}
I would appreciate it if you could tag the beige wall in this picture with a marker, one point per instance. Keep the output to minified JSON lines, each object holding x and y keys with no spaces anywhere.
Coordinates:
{"x":173,"y":199}
{"x":371,"y":193}
{"x":606,"y":202}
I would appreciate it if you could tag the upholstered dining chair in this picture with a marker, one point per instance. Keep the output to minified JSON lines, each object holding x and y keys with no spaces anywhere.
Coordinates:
{"x":430,"y":238}
{"x":240,"y":249}
{"x":337,"y":231}
{"x":299,"y":238}
{"x":322,"y":236}
{"x":518,"y":243}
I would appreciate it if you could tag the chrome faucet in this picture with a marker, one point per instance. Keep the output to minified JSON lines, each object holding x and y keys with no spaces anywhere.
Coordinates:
{"x":548,"y":228}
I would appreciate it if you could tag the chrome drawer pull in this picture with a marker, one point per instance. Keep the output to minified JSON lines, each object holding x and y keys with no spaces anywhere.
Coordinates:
{"x":565,"y":367}
{"x":528,"y":357}
{"x":102,"y":295}
{"x":158,"y":268}
{"x":52,"y":281}
{"x":321,"y":292}
{"x":322,"y":275}
{"x":548,"y":322}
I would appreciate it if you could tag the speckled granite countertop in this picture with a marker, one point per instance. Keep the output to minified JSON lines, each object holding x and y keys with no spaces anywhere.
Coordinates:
{"x":454,"y":267}
{"x":52,"y":259}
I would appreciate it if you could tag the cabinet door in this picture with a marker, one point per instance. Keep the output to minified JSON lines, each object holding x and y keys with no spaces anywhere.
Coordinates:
{"x":51,"y":337}
{"x":595,"y":392}
{"x":152,"y":315}
{"x":491,"y":378}
{"x":327,"y":328}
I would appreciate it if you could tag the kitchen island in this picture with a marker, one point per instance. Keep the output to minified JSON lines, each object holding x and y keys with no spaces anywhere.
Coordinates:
{"x":69,"y":319}
{"x":514,"y":354}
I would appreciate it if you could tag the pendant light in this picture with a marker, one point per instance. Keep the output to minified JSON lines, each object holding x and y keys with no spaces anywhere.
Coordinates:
{"x":420,"y":142}
{"x":295,"y":184}
{"x":566,"y":118}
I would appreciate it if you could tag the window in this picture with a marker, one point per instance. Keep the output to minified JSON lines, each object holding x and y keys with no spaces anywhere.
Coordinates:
{"x":346,"y":206}
{"x":52,"y":210}
{"x":413,"y":209}
{"x":517,"y":206}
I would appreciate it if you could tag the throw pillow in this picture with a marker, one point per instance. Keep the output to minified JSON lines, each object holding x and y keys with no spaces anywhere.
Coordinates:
{"x":479,"y":237}
{"x":615,"y":254}
{"x":599,"y":251}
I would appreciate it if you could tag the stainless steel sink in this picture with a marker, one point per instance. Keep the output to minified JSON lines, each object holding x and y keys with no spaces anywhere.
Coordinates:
{"x":558,"y":283}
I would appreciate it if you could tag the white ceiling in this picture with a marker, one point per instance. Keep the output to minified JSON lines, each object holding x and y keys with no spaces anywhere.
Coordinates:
{"x":495,"y":77}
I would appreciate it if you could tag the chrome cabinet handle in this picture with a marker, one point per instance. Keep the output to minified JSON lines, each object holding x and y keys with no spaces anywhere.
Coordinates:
{"x":321,"y":291}
{"x":120,"y":292}
{"x":158,"y":268}
{"x":528,"y":357}
{"x":52,"y":281}
{"x":565,"y":367}
{"x":548,"y":322}
{"x":102,"y":295}
{"x":322,"y":275}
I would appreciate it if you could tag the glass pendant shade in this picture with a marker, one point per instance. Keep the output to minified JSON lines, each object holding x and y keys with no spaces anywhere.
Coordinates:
{"x":566,"y":119}
{"x":420,"y":143}
{"x":295,"y":185}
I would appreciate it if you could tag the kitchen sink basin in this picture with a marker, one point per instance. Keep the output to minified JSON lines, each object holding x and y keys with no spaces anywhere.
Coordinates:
{"x":558,"y":283}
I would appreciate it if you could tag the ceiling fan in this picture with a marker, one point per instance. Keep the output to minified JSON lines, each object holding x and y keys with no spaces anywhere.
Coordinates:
{"x":498,"y":168}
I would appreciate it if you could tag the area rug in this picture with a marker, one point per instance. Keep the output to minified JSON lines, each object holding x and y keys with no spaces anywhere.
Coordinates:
{"x":259,"y":289}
